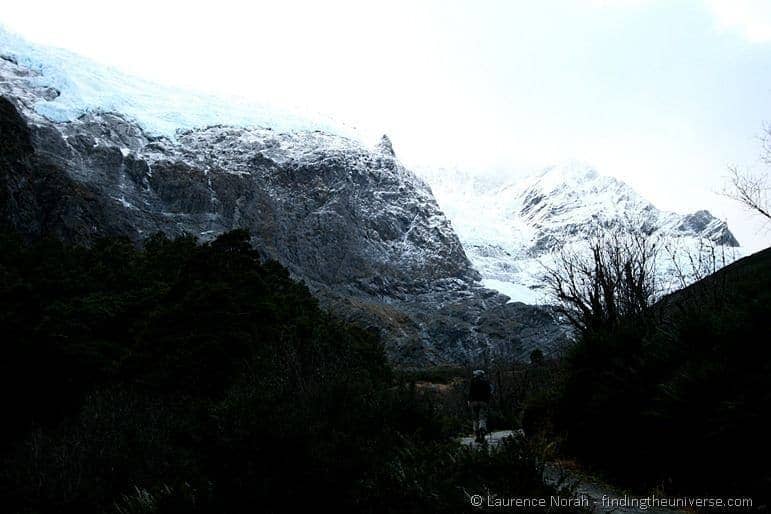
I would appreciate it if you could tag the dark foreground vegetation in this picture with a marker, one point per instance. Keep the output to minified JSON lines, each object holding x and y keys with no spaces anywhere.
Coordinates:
{"x":673,"y":397}
{"x":195,"y":378}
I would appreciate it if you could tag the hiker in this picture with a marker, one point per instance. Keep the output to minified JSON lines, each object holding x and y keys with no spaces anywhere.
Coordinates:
{"x":480,"y":391}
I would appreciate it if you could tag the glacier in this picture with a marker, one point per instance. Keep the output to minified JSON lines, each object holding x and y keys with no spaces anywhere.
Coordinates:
{"x":79,"y":86}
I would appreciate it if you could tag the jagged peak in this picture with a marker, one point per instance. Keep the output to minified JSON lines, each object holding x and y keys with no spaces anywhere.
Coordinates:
{"x":702,"y":222}
{"x":385,"y":146}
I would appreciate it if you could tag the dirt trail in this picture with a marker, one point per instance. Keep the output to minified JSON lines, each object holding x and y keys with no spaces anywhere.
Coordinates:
{"x":557,"y":473}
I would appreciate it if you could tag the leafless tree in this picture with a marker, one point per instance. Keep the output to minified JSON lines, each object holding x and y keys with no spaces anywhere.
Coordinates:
{"x":611,"y":278}
{"x":688,"y":264}
{"x":750,"y":189}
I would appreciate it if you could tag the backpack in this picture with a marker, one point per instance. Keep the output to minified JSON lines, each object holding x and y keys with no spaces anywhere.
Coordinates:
{"x":480,"y":390}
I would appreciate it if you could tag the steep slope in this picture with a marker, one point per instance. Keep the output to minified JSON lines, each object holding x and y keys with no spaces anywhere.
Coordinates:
{"x":518,"y":224}
{"x":364,"y":232}
{"x":696,"y":373}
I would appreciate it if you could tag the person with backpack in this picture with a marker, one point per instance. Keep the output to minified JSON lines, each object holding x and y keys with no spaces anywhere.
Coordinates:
{"x":480,"y":393}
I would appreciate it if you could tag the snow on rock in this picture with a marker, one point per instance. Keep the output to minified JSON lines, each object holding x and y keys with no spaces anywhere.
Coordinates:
{"x":511,"y":228}
{"x":385,"y":146}
{"x":99,"y":153}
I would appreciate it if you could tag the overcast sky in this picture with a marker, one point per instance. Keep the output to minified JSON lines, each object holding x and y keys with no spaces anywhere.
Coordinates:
{"x":663,"y":94}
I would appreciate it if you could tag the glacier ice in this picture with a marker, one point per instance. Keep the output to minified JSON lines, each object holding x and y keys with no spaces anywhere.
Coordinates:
{"x":83,"y":86}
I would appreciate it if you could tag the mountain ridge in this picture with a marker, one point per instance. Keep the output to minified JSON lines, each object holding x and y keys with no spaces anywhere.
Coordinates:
{"x":362,"y":231}
{"x":512,"y":227}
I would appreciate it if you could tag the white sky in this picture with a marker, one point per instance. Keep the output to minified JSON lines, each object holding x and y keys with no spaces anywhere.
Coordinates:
{"x":663,"y":94}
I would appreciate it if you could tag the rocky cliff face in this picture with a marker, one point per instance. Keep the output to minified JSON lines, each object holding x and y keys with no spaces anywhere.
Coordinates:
{"x":364,"y":233}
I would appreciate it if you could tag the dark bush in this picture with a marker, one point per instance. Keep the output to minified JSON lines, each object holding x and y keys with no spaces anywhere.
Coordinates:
{"x":679,"y":402}
{"x":196,"y":378}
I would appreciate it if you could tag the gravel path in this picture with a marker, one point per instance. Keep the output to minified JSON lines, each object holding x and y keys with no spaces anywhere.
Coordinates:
{"x":559,"y":474}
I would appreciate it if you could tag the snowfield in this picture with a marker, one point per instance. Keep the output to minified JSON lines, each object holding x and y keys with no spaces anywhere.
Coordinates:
{"x":78,"y":86}
{"x":512,"y":228}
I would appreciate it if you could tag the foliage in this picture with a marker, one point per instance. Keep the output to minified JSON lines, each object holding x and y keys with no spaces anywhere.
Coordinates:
{"x":196,"y":378}
{"x":676,"y":400}
{"x":424,"y":477}
{"x":434,"y":375}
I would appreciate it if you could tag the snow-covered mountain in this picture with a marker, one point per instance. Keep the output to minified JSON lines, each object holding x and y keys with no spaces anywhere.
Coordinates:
{"x":73,"y":86}
{"x":510,"y":228}
{"x":87,"y":152}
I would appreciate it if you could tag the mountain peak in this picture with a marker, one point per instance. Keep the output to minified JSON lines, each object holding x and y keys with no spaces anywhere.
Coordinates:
{"x":509,"y":230}
{"x":385,"y":146}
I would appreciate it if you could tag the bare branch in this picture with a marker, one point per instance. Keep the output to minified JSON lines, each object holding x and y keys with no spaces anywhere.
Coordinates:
{"x":750,"y":189}
{"x":612,"y":278}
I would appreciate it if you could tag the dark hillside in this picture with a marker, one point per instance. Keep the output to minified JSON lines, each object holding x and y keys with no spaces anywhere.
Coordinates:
{"x":680,"y":401}
{"x":197,"y":378}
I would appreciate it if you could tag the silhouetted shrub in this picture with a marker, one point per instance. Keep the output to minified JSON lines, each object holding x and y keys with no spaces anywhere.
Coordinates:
{"x":679,"y":402}
{"x":196,"y":378}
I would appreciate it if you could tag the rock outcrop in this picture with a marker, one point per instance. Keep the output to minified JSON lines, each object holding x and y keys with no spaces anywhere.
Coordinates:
{"x":362,"y":231}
